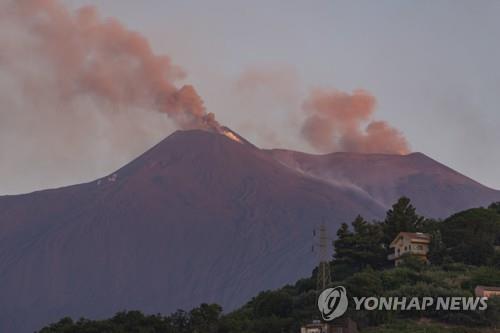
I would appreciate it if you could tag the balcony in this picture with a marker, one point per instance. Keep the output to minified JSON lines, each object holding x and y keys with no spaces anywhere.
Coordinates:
{"x":419,"y":252}
{"x":393,"y":256}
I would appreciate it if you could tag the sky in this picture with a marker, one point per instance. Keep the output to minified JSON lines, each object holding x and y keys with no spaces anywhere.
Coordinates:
{"x":431,"y":65}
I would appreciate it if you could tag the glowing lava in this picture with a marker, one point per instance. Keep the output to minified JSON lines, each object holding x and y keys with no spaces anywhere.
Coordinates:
{"x":231,"y":135}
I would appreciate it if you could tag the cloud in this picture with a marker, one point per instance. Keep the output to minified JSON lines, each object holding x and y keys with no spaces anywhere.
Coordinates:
{"x":339,"y":121}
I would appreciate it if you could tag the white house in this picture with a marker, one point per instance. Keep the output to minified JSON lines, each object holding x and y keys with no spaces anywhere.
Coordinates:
{"x":414,"y":243}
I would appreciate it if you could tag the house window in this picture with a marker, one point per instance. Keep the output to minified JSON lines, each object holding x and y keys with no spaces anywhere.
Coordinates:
{"x":420,"y":247}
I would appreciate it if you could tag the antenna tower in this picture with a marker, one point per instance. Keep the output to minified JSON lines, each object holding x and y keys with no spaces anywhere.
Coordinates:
{"x":322,"y":247}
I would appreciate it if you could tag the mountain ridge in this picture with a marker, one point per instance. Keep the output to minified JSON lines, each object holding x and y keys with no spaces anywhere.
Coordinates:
{"x":436,"y":189}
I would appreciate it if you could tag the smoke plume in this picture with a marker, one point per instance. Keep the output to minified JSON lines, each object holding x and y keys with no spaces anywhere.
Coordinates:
{"x":96,"y":58}
{"x":339,"y":121}
{"x":79,"y":95}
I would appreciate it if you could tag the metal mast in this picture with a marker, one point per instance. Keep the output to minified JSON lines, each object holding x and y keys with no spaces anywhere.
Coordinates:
{"x":322,"y":244}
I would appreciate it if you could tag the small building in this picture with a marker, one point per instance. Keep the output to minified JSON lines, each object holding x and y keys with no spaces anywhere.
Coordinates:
{"x":413,"y":243}
{"x":485,"y":291}
{"x":338,"y":325}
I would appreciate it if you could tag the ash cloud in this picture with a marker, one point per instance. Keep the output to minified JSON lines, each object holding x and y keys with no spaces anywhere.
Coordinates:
{"x":339,"y":121}
{"x":79,"y":89}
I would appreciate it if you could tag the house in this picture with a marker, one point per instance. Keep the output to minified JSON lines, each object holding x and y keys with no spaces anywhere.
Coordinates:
{"x":339,"y":325}
{"x":485,"y":291}
{"x":414,"y":243}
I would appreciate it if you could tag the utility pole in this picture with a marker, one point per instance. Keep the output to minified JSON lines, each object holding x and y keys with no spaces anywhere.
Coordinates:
{"x":322,"y":247}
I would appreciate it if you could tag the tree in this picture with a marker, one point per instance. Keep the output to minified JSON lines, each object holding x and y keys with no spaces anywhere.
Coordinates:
{"x":344,"y":244}
{"x":205,"y":318}
{"x":495,"y":206}
{"x":402,"y":217}
{"x":486,"y":276}
{"x":273,"y":303}
{"x":437,"y":249}
{"x":66,"y":324}
{"x":179,"y":320}
{"x":412,"y":262}
{"x":360,"y":248}
{"x":470,"y":236}
{"x":365,"y":283}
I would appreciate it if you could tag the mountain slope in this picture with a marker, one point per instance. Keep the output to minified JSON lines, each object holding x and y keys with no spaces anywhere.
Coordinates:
{"x":198,"y":218}
{"x":436,"y":190}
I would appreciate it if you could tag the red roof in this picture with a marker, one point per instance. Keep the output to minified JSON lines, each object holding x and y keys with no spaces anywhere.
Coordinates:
{"x":414,"y":236}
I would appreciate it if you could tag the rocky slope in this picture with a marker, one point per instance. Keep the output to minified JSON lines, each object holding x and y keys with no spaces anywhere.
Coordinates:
{"x":198,"y":218}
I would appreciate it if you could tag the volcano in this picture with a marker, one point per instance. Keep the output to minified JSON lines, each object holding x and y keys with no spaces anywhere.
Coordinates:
{"x":200,"y":217}
{"x":435,"y":189}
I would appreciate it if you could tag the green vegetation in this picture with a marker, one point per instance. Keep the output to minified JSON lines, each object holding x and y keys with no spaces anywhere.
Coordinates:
{"x":204,"y":319}
{"x":471,"y":236}
{"x":424,"y":326}
{"x":464,"y":253}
